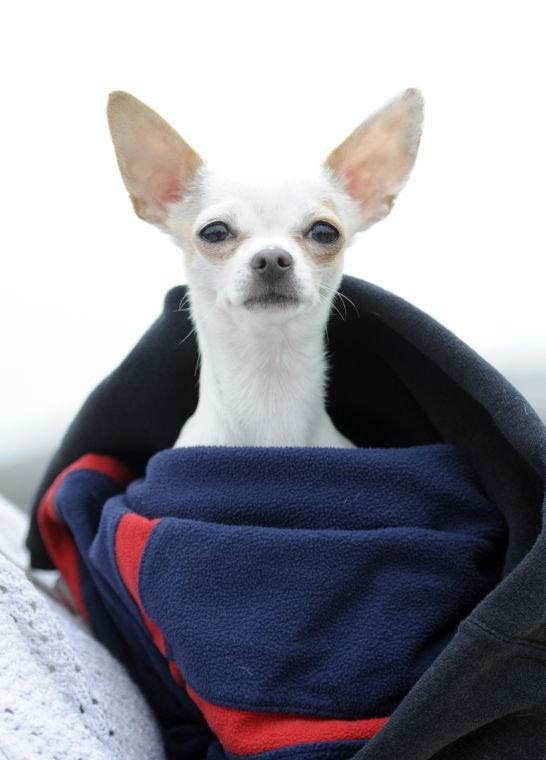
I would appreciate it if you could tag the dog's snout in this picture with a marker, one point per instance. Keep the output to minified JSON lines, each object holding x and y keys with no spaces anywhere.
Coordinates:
{"x":271,"y":264}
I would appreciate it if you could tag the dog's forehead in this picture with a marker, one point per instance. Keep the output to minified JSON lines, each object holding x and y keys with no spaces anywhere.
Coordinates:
{"x":267,"y":200}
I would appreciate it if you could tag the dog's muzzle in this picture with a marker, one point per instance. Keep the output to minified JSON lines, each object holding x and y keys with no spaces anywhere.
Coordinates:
{"x":272,"y":281}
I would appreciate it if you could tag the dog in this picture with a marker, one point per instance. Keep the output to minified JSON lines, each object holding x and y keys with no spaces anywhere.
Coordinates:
{"x":263,"y":264}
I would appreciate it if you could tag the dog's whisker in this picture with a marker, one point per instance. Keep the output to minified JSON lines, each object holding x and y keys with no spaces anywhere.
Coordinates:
{"x":346,"y":298}
{"x":187,"y":336}
{"x":185,"y":299}
{"x":197,"y":363}
{"x":333,"y":305}
{"x":342,"y":296}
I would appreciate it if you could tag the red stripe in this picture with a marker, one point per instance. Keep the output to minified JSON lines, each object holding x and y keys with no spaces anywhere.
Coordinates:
{"x":246,"y":733}
{"x":132,"y":534}
{"x":56,"y":534}
{"x":176,"y":674}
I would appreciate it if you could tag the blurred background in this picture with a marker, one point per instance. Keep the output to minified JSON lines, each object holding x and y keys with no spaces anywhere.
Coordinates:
{"x":250,"y":83}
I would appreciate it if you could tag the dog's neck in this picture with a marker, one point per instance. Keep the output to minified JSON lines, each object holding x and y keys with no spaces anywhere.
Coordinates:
{"x":262,"y":383}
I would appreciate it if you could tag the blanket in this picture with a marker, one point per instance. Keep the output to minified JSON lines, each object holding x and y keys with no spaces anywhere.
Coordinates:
{"x":244,"y":588}
{"x":62,"y":695}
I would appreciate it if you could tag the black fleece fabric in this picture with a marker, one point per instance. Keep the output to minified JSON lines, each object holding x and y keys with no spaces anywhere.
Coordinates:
{"x":398,"y":379}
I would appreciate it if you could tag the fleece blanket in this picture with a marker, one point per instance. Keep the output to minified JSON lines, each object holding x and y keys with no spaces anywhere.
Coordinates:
{"x":247,"y":585}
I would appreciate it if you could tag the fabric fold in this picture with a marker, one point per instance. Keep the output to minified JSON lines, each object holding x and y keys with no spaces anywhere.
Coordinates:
{"x":258,"y":582}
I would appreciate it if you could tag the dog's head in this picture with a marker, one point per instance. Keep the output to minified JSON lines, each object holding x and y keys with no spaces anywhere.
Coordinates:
{"x":267,"y":251}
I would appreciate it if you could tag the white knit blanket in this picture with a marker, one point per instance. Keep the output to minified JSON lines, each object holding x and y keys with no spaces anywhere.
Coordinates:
{"x":62,"y":695}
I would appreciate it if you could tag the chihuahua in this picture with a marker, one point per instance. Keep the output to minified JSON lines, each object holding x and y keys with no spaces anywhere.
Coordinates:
{"x":263,"y":264}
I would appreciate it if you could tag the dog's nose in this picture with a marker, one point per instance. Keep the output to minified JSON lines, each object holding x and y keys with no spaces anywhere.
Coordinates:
{"x":271,"y":264}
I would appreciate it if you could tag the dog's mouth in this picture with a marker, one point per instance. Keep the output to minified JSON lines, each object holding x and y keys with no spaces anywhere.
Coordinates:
{"x":271,"y":299}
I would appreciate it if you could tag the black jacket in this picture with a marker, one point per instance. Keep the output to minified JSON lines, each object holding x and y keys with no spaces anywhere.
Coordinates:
{"x":398,"y":379}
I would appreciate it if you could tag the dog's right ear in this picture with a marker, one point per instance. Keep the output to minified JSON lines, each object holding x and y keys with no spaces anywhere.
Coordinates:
{"x":375,"y":161}
{"x":155,"y":162}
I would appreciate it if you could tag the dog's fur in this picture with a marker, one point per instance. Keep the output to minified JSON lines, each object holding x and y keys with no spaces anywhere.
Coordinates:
{"x":261,"y":342}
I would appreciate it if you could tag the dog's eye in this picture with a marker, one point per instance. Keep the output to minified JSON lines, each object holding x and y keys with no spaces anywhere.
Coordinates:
{"x":215,"y":232}
{"x":323,"y":232}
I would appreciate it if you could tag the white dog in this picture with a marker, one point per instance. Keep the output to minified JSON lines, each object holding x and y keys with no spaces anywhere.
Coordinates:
{"x":263,"y":265}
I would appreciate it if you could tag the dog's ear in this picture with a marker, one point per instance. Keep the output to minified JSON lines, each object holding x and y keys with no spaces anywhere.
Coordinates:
{"x":155,"y":162}
{"x":375,"y":161}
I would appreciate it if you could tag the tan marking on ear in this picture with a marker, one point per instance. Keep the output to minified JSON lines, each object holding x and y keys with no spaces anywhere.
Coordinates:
{"x":185,"y":235}
{"x":329,"y":204}
{"x":375,"y":161}
{"x":156,"y":164}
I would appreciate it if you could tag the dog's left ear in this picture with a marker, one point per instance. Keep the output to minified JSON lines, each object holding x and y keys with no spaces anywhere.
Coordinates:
{"x":155,"y":162}
{"x":375,"y":161}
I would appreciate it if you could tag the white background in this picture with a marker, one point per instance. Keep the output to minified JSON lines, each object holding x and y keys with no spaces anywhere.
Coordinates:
{"x":247,"y":82}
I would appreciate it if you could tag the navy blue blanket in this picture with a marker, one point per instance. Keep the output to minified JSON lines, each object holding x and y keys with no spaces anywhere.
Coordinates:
{"x":244,"y":588}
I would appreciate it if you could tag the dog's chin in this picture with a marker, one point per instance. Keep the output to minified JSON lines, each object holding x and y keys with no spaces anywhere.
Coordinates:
{"x":272,"y":301}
